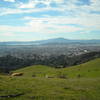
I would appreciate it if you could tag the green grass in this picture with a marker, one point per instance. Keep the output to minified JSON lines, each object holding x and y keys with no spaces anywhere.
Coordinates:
{"x":80,"y":82}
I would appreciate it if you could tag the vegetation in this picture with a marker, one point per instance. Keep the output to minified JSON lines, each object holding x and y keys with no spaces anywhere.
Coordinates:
{"x":38,"y":82}
{"x":9,"y":62}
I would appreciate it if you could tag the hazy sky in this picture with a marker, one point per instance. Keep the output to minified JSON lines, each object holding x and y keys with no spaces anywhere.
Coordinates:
{"x":27,"y":20}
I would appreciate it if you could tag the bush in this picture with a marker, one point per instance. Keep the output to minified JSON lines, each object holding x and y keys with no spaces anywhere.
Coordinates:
{"x":78,"y":75}
{"x":61,"y":75}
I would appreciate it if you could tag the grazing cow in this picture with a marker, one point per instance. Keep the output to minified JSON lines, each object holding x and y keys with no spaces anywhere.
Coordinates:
{"x":17,"y":74}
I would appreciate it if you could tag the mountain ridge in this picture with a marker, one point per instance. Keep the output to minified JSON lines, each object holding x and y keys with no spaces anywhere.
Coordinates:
{"x":51,"y":41}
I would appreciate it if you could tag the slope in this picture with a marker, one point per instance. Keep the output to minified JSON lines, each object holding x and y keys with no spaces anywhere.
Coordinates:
{"x":45,"y":83}
{"x":89,"y":69}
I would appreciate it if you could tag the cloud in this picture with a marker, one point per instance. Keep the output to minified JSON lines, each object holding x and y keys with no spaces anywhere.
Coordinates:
{"x":9,"y":11}
{"x":75,"y":18}
{"x":90,"y":21}
{"x":42,"y":25}
{"x":50,"y":25}
{"x":68,"y":7}
{"x":30,"y":4}
{"x":33,"y":3}
{"x":61,"y":24}
{"x":9,"y":0}
{"x":9,"y":34}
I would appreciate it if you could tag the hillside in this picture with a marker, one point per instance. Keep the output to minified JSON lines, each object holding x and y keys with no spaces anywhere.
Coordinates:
{"x":9,"y":62}
{"x":39,"y":82}
{"x":89,"y":69}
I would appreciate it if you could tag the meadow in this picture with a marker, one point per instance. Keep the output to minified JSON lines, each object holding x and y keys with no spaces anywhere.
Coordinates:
{"x":39,"y":82}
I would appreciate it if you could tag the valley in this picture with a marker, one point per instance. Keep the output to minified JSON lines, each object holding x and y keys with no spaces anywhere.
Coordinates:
{"x":54,"y":70}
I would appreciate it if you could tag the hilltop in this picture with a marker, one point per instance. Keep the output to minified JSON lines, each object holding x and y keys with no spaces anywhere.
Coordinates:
{"x":40,"y":82}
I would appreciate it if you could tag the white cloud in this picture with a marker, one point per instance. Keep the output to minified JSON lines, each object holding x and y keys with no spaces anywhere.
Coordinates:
{"x":9,"y":0}
{"x":94,"y":6}
{"x":33,"y":3}
{"x":30,"y":4}
{"x":58,"y":1}
{"x":9,"y":34}
{"x":7,"y":11}
{"x":44,"y":26}
{"x":81,"y":16}
{"x":90,"y":21}
{"x":62,"y":24}
{"x":66,"y":7}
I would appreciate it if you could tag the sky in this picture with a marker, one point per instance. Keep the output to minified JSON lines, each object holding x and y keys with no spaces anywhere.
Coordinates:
{"x":30,"y":20}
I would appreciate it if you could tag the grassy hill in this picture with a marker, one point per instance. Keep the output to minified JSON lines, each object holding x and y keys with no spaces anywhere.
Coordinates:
{"x":81,"y":82}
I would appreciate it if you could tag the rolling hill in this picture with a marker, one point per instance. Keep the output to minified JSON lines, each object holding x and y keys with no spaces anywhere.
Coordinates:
{"x":39,"y":82}
{"x":89,"y":69}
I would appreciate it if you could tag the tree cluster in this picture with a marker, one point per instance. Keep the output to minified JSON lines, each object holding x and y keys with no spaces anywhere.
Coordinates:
{"x":8,"y":62}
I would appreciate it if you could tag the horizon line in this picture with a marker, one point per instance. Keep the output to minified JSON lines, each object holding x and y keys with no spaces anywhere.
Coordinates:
{"x":46,"y":39}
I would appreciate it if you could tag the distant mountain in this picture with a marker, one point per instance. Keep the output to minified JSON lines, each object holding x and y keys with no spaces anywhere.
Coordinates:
{"x":51,"y":41}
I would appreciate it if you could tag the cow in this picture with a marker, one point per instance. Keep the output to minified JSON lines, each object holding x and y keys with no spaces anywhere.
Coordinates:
{"x":17,"y":74}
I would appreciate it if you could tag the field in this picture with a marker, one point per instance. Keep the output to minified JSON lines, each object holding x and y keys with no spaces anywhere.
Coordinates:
{"x":38,"y":82}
